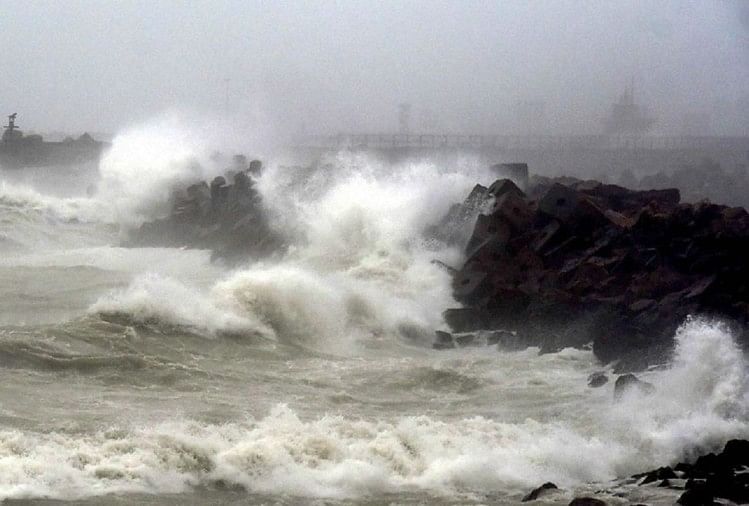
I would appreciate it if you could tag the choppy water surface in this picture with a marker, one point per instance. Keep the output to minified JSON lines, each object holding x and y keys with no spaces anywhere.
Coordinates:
{"x":153,"y":376}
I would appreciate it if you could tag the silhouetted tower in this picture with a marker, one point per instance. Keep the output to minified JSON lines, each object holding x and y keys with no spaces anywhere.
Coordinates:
{"x":11,"y":130}
{"x":404,"y":118}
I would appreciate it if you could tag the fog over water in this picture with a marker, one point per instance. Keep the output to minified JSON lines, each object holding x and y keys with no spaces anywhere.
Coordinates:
{"x":325,"y":67}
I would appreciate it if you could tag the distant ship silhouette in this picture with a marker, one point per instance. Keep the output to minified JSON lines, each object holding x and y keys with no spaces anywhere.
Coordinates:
{"x":18,"y":150}
{"x":627,"y":117}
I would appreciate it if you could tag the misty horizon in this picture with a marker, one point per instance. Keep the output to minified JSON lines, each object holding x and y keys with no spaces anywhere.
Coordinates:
{"x":322,"y":68}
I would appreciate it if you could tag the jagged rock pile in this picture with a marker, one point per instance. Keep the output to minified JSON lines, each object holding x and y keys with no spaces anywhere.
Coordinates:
{"x":229,"y":219}
{"x":569,"y":263}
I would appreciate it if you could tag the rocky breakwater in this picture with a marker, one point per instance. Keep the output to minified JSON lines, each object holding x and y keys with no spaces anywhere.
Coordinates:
{"x":227,"y":218}
{"x":570,"y":262}
{"x":704,"y":481}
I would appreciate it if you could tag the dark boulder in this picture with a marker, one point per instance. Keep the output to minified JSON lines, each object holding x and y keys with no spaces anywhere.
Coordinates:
{"x":662,"y":473}
{"x":697,"y":496}
{"x":502,"y":186}
{"x":538,"y":492}
{"x":597,"y":379}
{"x":443,"y":340}
{"x":586,"y":501}
{"x":736,"y":452}
{"x":628,"y":382}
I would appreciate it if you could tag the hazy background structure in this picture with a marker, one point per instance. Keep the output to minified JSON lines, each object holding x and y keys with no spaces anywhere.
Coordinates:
{"x":552,"y":67}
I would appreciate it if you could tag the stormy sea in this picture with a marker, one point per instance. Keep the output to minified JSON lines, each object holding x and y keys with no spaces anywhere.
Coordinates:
{"x":160,"y":376}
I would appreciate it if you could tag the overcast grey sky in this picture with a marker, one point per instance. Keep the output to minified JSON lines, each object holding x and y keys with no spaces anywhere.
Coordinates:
{"x":344,"y":66}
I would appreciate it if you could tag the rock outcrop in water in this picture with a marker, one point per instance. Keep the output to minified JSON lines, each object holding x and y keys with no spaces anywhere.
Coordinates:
{"x":573,"y":261}
{"x":225,"y":217}
{"x":711,"y":476}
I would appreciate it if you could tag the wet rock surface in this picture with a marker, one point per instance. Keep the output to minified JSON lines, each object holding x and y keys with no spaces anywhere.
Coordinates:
{"x":540,"y":491}
{"x":586,"y":501}
{"x":225,"y":215}
{"x":597,"y":379}
{"x":627,"y":382}
{"x":723,"y":476}
{"x":571,"y":262}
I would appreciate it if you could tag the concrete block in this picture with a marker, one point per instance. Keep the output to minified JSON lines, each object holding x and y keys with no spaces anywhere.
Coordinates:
{"x":516,"y":210}
{"x":502,"y":186}
{"x":560,"y":202}
{"x":518,"y":172}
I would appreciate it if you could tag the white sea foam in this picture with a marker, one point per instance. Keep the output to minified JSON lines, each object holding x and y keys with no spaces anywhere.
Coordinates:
{"x":335,"y":456}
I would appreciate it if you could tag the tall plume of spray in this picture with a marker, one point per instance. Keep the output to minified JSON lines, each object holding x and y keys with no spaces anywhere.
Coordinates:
{"x":358,"y":263}
{"x":146,"y":162}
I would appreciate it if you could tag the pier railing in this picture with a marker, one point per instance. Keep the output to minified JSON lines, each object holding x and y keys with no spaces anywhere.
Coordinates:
{"x":521,"y":142}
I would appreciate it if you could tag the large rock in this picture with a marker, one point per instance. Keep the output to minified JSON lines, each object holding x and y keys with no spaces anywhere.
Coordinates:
{"x":227,"y":218}
{"x":539,"y":491}
{"x":628,"y":382}
{"x":625,"y":267}
{"x":455,"y":227}
{"x":586,"y":501}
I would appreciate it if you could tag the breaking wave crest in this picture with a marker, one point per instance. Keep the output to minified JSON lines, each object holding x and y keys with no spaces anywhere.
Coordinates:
{"x":359,"y":265}
{"x":32,"y":220}
{"x":700,"y":401}
{"x":153,"y":299}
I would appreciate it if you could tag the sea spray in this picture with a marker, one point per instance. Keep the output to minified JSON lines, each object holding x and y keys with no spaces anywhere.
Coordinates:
{"x":359,"y":264}
{"x":145,"y":164}
{"x":700,"y":400}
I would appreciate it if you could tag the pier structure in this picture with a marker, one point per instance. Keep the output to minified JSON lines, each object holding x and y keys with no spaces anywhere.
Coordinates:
{"x":587,"y":155}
